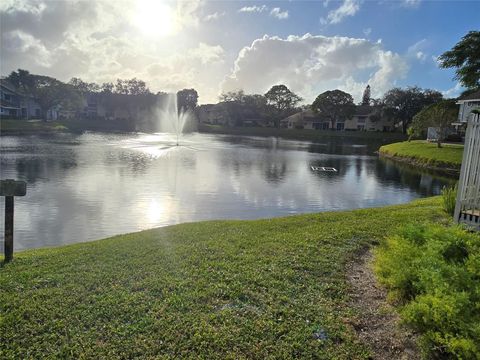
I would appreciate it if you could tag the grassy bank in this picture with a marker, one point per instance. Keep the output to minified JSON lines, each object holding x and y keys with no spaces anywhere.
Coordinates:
{"x":302,"y":134}
{"x":222,"y":289}
{"x":29,"y":127}
{"x":425,"y":154}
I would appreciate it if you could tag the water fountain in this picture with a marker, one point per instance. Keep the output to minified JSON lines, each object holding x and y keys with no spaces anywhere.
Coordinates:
{"x":172,"y":119}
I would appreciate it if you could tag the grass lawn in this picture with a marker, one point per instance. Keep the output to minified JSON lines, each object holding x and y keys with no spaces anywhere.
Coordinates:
{"x":221,"y":289}
{"x":422,"y":152}
{"x":302,"y":134}
{"x":10,"y":126}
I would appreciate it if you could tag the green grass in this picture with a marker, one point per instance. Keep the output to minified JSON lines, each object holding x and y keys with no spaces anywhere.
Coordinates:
{"x":424,"y":153}
{"x":220,"y":289}
{"x":19,"y":126}
{"x":302,"y":134}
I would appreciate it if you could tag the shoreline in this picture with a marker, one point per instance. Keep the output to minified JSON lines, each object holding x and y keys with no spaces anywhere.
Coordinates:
{"x":425,"y":155}
{"x":446,"y":169}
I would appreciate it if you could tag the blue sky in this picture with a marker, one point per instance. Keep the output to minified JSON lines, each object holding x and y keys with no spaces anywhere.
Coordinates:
{"x":311,"y":46}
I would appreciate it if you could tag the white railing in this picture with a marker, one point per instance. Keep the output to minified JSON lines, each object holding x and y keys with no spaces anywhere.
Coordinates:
{"x":467,"y":209}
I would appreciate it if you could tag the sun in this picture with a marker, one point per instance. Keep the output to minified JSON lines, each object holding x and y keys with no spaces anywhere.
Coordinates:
{"x":154,"y":18}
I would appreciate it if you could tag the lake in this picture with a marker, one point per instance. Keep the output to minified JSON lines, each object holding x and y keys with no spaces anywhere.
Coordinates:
{"x":90,"y":186}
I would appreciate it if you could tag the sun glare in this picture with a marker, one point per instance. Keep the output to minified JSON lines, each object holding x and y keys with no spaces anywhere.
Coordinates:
{"x":155,"y":18}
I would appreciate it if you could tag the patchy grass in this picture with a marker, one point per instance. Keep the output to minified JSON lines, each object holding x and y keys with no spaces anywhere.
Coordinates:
{"x":426,"y":154}
{"x":302,"y":134}
{"x":258,"y":289}
{"x":19,"y":126}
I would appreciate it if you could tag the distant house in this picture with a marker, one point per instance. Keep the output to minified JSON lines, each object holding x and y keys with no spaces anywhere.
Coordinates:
{"x":467,"y":104}
{"x":230,"y":113}
{"x":9,"y":100}
{"x":15,"y":104}
{"x":214,"y":114}
{"x":365,"y":118}
{"x":306,"y":119}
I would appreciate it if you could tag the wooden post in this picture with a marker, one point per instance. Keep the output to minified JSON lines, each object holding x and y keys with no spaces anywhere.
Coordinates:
{"x":8,"y":228}
{"x":10,"y":188}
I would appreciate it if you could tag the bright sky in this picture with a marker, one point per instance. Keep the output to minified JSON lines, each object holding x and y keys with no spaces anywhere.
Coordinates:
{"x":310,"y":46}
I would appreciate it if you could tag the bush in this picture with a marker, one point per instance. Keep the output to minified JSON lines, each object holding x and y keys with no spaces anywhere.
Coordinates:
{"x":449,"y":198}
{"x":433,"y":273}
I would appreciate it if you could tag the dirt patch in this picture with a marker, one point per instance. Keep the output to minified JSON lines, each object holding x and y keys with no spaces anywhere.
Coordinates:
{"x":377,"y":324}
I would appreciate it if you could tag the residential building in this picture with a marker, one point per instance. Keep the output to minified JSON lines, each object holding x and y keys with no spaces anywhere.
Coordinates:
{"x":15,"y":104}
{"x":467,"y":104}
{"x":365,"y":118}
{"x":9,"y":100}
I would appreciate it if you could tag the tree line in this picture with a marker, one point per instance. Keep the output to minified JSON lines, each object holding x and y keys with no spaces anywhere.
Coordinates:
{"x":50,"y":93}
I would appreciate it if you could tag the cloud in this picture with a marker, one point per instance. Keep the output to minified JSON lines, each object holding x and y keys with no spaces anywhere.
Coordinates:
{"x":215,"y":16}
{"x":367,"y":31}
{"x":253,"y":9}
{"x":411,"y":3}
{"x":98,"y":41}
{"x":18,"y":42}
{"x":453,"y":92}
{"x":311,"y":64}
{"x":418,"y":50}
{"x":348,"y":8}
{"x":276,"y":12}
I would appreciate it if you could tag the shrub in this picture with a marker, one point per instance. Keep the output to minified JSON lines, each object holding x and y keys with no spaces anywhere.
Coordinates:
{"x":449,"y":198}
{"x":433,"y":273}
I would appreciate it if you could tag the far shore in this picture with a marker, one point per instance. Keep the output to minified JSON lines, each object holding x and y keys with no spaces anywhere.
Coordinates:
{"x":15,"y":127}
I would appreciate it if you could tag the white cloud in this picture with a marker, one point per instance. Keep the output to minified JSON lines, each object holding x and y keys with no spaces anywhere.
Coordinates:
{"x":208,"y":54}
{"x":418,"y":50}
{"x":367,"y":31}
{"x":348,"y":8}
{"x":411,"y":3}
{"x":453,"y":92}
{"x":276,"y":12}
{"x":215,"y":16}
{"x":311,"y":64}
{"x":257,"y":9}
{"x":25,"y":45}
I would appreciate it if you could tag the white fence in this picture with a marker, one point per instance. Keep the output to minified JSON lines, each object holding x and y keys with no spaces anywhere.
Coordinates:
{"x":467,"y":209}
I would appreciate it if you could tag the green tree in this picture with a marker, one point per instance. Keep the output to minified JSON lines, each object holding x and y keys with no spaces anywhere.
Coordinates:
{"x":48,"y":92}
{"x":187,"y":99}
{"x":402,"y":104}
{"x":366,"y":96}
{"x":335,"y":105}
{"x":84,"y":87}
{"x":131,"y":87}
{"x":232,"y":96}
{"x":281,"y":101}
{"x":22,"y":79}
{"x":465,"y":57}
{"x":440,"y":115}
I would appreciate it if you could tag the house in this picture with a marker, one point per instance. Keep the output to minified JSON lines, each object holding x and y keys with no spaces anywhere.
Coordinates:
{"x":231,"y":113}
{"x":467,"y":104}
{"x":368,"y":118}
{"x":15,"y":104}
{"x":9,"y":100}
{"x":365,"y":118}
{"x":306,"y":119}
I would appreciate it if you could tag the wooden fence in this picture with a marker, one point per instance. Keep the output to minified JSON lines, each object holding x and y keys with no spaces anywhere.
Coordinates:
{"x":467,"y":209}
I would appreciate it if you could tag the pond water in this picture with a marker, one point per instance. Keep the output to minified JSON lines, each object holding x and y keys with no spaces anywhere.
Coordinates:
{"x":90,"y":186}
